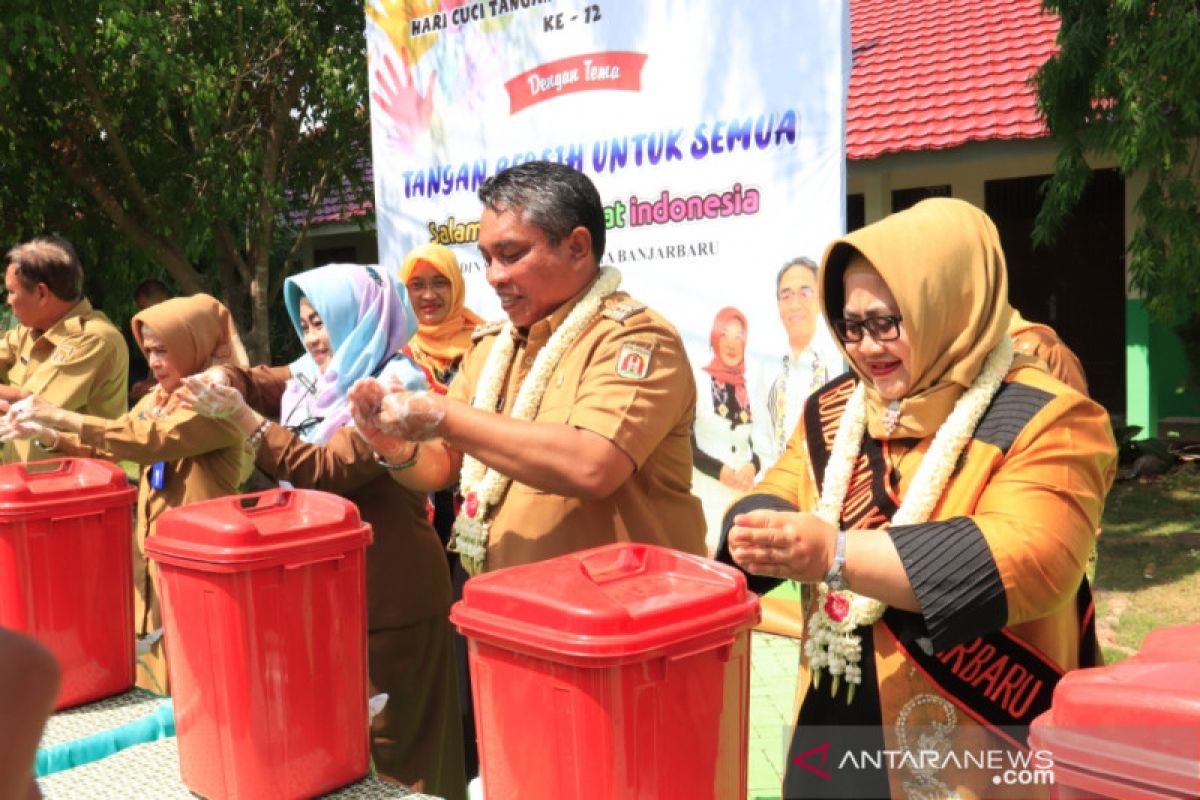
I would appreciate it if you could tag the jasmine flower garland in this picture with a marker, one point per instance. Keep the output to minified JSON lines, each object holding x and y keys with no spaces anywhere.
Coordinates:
{"x":481,"y":486}
{"x":831,"y":641}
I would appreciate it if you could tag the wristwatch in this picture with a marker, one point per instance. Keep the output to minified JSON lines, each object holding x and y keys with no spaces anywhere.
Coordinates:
{"x":834,"y":578}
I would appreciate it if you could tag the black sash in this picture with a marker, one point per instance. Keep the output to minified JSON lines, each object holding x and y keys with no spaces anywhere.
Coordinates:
{"x":1001,"y":681}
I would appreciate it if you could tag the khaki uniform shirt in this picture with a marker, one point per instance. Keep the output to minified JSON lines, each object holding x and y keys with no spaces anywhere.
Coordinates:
{"x":1041,"y":342}
{"x":626,"y":378}
{"x":80,"y":364}
{"x":205,"y":458}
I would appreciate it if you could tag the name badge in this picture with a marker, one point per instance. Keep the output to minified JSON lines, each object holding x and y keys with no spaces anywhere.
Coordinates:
{"x":158,"y":474}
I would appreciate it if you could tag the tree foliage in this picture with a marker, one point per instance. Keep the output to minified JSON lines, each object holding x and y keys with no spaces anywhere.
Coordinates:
{"x":197,"y":136}
{"x":1125,"y":83}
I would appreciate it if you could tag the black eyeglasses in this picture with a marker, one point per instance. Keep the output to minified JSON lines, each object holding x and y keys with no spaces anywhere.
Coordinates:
{"x":881,"y":329}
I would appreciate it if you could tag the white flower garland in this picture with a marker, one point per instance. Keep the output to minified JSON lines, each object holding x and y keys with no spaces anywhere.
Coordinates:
{"x":832,"y":643}
{"x":480,"y":485}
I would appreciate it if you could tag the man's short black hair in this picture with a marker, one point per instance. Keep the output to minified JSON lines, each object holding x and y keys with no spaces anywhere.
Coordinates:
{"x":554,"y":197}
{"x":51,"y":260}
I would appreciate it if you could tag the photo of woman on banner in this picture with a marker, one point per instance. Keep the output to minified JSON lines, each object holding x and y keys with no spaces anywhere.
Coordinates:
{"x":725,"y":464}
{"x":940,"y":501}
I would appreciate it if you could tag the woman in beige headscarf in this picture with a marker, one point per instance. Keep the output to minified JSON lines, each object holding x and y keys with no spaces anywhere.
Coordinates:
{"x":184,"y":457}
{"x":940,"y":500}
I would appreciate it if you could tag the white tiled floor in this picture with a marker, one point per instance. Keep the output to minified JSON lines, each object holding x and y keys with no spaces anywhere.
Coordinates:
{"x":773,"y":665}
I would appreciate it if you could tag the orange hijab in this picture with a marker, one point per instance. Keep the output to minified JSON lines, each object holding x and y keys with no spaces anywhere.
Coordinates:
{"x":943,"y":263}
{"x":733,"y":374}
{"x":451,"y":337}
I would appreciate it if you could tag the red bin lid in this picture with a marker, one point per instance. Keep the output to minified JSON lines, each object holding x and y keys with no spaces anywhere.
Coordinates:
{"x":64,"y":481}
{"x":1137,"y":720}
{"x":277,"y":526}
{"x":616,"y":600}
{"x":1173,"y":643}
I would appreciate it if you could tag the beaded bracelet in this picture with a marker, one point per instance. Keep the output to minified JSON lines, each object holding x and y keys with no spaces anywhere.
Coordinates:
{"x":403,"y":465}
{"x":255,"y":439}
{"x":53,"y":446}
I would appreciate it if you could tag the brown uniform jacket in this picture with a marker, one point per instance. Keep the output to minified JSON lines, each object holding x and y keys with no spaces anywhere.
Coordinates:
{"x":205,"y":458}
{"x":599,"y":386}
{"x":407,"y":579}
{"x":1041,"y":342}
{"x":80,"y":363}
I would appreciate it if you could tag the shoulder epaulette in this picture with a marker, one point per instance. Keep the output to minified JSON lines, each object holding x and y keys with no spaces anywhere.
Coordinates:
{"x":623,"y":309}
{"x":486,"y":329}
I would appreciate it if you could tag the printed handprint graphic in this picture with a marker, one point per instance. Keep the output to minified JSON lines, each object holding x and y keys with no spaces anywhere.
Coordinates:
{"x":408,"y":110}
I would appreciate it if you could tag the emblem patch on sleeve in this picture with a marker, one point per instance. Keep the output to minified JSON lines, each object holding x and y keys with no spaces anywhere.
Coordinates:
{"x":633,"y":361}
{"x":61,"y":353}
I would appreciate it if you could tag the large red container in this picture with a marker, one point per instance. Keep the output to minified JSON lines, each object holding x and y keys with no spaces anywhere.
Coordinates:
{"x":1130,"y":730}
{"x":264,"y":608}
{"x":66,"y":569}
{"x":617,"y":672}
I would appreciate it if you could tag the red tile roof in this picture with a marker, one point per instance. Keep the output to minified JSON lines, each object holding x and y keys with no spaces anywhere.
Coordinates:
{"x":338,"y":205}
{"x":933,"y":74}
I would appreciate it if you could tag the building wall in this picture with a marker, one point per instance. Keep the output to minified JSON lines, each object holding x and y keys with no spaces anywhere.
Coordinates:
{"x":339,"y":243}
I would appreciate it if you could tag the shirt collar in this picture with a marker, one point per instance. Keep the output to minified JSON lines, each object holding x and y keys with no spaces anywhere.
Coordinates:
{"x":68,"y":324}
{"x":540,"y":332}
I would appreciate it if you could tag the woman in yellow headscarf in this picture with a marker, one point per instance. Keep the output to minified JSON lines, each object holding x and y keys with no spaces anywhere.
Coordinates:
{"x":940,"y":501}
{"x":184,"y":457}
{"x":437,"y":292}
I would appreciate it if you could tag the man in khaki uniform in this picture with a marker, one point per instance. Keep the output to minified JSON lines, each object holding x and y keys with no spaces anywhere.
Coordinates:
{"x":63,"y":349}
{"x":599,"y":450}
{"x":1042,"y":342}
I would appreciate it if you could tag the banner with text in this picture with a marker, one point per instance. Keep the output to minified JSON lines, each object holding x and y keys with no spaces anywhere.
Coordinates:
{"x":714,"y":132}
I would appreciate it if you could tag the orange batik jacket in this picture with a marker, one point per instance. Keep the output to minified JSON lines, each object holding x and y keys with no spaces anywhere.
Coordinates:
{"x":999,"y":573}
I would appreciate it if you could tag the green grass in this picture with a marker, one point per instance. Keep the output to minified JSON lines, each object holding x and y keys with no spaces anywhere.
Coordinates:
{"x":1148,"y":572}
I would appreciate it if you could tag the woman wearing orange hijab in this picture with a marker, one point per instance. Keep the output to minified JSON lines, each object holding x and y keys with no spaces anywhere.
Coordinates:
{"x":438,"y":296}
{"x":940,"y":501}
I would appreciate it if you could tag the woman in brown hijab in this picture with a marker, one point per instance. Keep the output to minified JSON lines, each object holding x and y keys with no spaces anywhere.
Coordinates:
{"x":939,"y":502}
{"x":184,"y":457}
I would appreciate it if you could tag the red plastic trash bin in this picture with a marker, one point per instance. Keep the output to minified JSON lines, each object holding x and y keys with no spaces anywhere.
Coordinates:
{"x":617,"y":672}
{"x":264,"y":617}
{"x":66,"y":569}
{"x":1129,"y":730}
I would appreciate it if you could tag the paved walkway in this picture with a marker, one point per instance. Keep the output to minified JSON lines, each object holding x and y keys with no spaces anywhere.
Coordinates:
{"x":773,"y":662}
